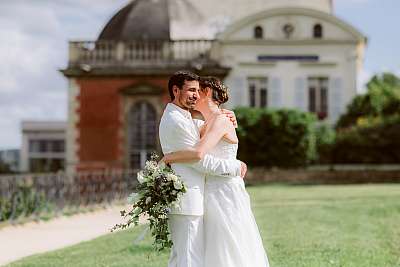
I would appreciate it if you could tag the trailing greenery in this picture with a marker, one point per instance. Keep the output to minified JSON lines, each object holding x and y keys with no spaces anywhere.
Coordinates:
{"x":159,"y":190}
{"x":301,"y":226}
{"x":283,"y":138}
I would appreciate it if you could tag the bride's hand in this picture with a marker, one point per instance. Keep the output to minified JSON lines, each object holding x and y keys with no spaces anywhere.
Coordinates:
{"x":166,"y":159}
{"x":231,"y":115}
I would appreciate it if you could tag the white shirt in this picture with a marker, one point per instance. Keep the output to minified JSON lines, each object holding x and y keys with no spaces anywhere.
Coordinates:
{"x":178,"y":131}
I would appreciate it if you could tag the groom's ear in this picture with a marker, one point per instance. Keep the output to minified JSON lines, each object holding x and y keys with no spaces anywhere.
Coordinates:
{"x":175,"y":90}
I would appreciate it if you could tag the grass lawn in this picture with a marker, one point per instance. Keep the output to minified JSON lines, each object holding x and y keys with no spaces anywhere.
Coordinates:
{"x":302,"y":226}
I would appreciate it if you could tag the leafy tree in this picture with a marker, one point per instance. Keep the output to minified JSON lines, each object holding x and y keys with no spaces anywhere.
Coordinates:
{"x":382,"y":99}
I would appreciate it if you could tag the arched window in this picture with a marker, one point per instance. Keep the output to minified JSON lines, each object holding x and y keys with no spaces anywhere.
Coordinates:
{"x":258,"y":32}
{"x":318,"y":31}
{"x":142,"y":133}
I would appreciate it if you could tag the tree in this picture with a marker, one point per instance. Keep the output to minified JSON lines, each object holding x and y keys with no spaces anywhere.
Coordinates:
{"x":382,"y":99}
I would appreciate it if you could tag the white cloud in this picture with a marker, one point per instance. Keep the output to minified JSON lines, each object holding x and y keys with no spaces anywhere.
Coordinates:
{"x":33,"y":47}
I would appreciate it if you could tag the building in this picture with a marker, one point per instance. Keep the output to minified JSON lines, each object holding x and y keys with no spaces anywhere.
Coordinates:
{"x":272,"y":54}
{"x":43,"y":146}
{"x":10,"y":157}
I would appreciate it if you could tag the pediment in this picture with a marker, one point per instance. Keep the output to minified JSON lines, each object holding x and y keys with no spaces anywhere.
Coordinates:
{"x":276,"y":23}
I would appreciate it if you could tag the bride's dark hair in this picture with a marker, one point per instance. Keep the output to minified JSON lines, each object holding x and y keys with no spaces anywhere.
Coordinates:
{"x":218,"y":89}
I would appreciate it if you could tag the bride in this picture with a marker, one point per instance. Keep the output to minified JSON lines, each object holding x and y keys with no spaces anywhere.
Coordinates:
{"x":232,"y":238}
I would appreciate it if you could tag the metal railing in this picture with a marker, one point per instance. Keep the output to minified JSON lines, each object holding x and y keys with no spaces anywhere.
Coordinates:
{"x":138,"y":52}
{"x":29,"y":196}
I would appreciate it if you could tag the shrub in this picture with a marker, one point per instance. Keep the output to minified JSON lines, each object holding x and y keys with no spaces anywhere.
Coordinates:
{"x":325,"y":139}
{"x":281,"y":138}
{"x":371,"y":141}
{"x":23,"y":202}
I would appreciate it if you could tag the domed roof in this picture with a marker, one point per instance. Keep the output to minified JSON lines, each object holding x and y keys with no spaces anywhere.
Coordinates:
{"x":139,"y":20}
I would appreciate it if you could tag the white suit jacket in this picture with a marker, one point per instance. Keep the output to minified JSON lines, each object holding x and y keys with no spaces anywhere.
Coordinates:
{"x":178,"y":131}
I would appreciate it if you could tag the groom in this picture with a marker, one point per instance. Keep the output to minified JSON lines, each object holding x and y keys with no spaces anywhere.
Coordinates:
{"x":178,"y":131}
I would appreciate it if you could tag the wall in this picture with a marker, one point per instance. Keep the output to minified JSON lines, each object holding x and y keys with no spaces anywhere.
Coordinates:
{"x":98,"y":127}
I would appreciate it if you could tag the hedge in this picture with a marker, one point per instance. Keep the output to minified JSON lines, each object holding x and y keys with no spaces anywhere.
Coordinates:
{"x":276,"y":138}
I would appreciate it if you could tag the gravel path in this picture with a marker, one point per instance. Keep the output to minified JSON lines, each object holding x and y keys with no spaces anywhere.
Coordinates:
{"x":35,"y":237}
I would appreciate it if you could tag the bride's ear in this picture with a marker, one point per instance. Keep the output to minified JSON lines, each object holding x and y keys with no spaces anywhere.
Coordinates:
{"x":208,"y":91}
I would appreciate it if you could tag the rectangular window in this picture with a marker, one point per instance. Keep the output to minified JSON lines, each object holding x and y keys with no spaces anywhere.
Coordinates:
{"x":43,"y":145}
{"x":58,"y":146}
{"x":263,"y":98}
{"x":252,"y":94}
{"x":38,"y":165}
{"x":311,"y":97}
{"x":258,"y":92}
{"x":34,"y":145}
{"x":318,"y":96}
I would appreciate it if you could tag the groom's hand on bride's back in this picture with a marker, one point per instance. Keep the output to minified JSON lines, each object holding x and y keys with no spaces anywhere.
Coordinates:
{"x":231,"y":115}
{"x":243,"y":170}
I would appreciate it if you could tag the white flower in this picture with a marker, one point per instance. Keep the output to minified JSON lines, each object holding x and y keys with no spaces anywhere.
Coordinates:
{"x":177,"y":185}
{"x":148,"y":199}
{"x":172,"y":177}
{"x":132,"y":198}
{"x":169,"y":177}
{"x":156,"y":173}
{"x":161,"y":165}
{"x":151,"y":165}
{"x":140,"y":177}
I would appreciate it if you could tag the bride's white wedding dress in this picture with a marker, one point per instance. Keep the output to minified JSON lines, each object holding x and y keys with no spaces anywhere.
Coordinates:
{"x":232,"y":238}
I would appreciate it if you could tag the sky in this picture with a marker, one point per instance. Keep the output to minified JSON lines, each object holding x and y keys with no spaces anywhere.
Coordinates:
{"x":34,"y":37}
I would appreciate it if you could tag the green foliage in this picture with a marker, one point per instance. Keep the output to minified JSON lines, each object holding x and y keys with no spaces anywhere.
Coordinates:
{"x":23,"y":202}
{"x":159,"y":190}
{"x":382,"y":99}
{"x":325,"y":139}
{"x":375,"y":141}
{"x":283,"y":138}
{"x":301,"y":226}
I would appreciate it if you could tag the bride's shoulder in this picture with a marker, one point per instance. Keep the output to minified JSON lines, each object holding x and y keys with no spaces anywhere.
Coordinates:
{"x":221,"y":120}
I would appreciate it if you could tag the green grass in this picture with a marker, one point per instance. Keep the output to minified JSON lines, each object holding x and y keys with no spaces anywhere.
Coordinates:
{"x":302,"y":226}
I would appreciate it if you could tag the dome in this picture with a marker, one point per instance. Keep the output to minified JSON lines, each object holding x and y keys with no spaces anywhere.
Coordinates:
{"x":139,"y":20}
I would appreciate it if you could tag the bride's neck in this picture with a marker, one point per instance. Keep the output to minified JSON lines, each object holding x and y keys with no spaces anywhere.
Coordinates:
{"x":209,"y":110}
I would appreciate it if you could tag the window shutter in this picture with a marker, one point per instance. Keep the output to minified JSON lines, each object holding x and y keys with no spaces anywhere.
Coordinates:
{"x":300,"y":94}
{"x":275,"y":94}
{"x":237,"y":91}
{"x":335,"y":98}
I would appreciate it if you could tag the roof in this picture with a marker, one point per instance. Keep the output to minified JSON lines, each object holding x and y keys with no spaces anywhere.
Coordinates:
{"x":139,"y":20}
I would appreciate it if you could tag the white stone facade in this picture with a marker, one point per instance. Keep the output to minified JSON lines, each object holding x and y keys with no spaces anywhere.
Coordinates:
{"x":43,"y":141}
{"x":192,"y":19}
{"x":72,"y":133}
{"x":289,"y":61}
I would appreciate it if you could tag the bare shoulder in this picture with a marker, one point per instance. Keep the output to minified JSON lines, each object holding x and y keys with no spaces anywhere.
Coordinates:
{"x":221,"y":120}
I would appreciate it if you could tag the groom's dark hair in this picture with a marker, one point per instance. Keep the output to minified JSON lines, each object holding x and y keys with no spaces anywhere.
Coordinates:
{"x":179,"y":78}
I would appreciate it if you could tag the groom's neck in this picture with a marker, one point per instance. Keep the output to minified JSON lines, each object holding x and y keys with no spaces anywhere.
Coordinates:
{"x":176,"y":103}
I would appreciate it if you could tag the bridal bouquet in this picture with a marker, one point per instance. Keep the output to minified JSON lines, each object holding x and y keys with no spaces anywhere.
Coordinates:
{"x":158,"y":190}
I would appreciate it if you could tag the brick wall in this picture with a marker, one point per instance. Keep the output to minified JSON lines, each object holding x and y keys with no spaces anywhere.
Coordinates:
{"x":99,"y":142}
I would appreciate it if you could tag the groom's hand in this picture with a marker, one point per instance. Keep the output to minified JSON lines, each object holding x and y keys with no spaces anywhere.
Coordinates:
{"x":231,"y":115}
{"x":243,"y":169}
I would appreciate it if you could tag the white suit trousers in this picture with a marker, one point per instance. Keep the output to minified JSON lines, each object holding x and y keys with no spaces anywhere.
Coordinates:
{"x":187,"y":233}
